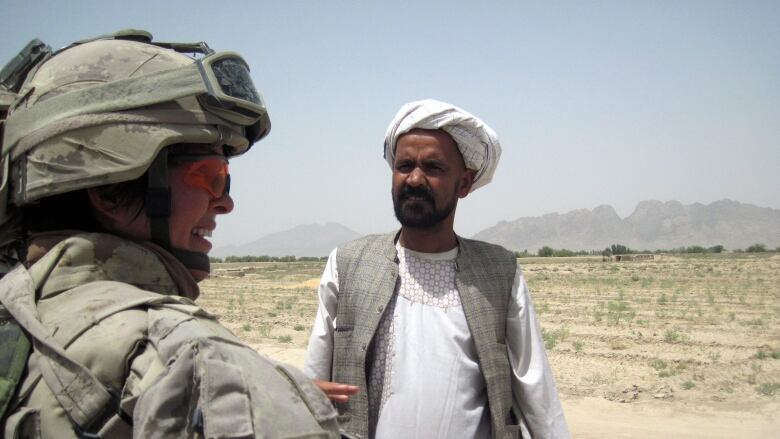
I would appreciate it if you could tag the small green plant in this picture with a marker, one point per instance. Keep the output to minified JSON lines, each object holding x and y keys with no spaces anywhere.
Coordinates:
{"x":673,"y":336}
{"x":596,"y":379}
{"x":272,"y":314}
{"x":658,"y":364}
{"x":284,"y":339}
{"x":264,"y":331}
{"x":246,"y":327}
{"x":688,"y":385}
{"x":662,"y":299}
{"x":620,"y":310}
{"x":710,"y":298}
{"x":551,"y":338}
{"x":754,"y":322}
{"x":299,"y":327}
{"x":578,"y":345}
{"x":769,"y":389}
{"x":674,"y":369}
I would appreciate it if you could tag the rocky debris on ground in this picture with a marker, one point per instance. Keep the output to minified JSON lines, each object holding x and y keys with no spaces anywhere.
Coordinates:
{"x":627,"y":395}
{"x":664,"y":391}
{"x":631,"y":393}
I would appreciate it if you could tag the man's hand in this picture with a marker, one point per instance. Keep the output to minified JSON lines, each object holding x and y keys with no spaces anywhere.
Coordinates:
{"x":336,"y":392}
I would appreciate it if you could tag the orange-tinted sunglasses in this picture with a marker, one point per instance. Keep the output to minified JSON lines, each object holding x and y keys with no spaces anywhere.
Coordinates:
{"x":207,"y":172}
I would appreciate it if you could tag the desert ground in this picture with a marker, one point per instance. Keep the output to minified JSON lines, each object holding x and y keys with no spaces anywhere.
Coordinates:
{"x":677,"y":347}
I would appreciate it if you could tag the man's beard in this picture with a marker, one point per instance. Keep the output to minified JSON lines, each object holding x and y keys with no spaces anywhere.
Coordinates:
{"x":420,"y":214}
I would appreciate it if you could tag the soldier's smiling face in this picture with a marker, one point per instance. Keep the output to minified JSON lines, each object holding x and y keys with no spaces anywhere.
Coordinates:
{"x":193,"y":209}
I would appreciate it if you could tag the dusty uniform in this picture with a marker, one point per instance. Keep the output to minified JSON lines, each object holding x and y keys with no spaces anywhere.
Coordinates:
{"x":120,"y":349}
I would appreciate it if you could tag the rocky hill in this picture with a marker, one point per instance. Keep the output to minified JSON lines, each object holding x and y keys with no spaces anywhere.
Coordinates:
{"x":303,"y":240}
{"x":652,"y":225}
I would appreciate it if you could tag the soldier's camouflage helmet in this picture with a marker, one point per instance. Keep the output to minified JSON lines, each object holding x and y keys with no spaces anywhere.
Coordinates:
{"x":99,"y":111}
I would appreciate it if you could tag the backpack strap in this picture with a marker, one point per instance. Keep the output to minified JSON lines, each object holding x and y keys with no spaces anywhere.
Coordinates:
{"x":76,"y":389}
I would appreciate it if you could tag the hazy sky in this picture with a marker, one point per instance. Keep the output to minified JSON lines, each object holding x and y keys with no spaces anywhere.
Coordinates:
{"x":594,"y":102}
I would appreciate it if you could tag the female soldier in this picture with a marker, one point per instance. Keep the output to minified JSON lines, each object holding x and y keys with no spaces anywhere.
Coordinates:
{"x":114,"y":168}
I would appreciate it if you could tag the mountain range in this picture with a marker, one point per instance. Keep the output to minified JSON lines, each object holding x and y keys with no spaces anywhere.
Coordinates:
{"x":303,"y":240}
{"x":652,"y":225}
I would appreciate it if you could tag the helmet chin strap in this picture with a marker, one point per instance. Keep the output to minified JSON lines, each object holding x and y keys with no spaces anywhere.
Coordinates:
{"x":158,"y":209}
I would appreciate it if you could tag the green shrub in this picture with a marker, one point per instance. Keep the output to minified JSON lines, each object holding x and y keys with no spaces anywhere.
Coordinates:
{"x":673,"y":336}
{"x":264,"y":331}
{"x":768,"y":389}
{"x":658,"y":364}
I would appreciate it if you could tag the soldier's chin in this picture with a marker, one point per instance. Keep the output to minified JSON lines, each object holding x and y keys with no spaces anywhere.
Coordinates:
{"x":199,"y":275}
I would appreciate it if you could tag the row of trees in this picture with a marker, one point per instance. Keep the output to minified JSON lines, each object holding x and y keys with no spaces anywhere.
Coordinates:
{"x":265,"y":258}
{"x":546,"y":251}
{"x":620,"y":249}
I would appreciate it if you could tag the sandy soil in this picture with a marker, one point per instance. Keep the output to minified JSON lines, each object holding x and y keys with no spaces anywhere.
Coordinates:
{"x":676,"y":347}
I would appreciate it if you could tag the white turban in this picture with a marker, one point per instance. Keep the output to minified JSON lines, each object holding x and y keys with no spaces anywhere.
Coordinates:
{"x":477,"y":142}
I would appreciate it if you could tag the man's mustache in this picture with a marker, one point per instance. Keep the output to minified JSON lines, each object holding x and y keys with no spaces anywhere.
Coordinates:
{"x":420,"y":191}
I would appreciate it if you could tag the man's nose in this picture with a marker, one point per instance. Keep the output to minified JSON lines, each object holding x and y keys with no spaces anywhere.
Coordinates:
{"x":416,"y":177}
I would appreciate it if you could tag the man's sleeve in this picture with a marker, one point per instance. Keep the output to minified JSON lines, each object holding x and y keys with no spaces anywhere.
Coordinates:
{"x":535,"y":396}
{"x":320,"y":352}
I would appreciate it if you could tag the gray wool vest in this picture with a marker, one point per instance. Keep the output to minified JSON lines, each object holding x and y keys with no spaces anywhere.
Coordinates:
{"x":368,"y":273}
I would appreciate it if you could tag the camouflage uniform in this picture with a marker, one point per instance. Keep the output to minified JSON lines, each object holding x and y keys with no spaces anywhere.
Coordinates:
{"x":119,"y":348}
{"x":125,"y":311}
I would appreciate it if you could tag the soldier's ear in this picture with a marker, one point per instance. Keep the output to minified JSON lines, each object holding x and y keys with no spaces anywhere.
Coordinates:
{"x":105,"y":207}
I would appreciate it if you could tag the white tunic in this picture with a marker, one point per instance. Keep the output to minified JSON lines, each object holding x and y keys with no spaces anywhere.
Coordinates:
{"x":425,"y":380}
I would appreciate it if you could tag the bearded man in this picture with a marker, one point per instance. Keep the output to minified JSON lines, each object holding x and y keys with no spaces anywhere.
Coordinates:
{"x":422,"y":333}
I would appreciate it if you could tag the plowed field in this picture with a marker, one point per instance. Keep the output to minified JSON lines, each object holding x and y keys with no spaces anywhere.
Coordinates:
{"x":684,"y":347}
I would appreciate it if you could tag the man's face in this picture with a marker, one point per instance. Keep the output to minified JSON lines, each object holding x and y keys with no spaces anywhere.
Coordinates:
{"x":428,"y":178}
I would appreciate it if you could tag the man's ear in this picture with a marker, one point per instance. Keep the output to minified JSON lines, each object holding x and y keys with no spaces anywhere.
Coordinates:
{"x":466,"y":181}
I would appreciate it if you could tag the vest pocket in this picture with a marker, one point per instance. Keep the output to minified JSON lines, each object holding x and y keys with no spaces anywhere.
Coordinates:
{"x":226,"y":408}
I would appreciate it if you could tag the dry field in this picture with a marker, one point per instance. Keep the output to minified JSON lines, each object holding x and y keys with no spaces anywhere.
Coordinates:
{"x":682,"y":346}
